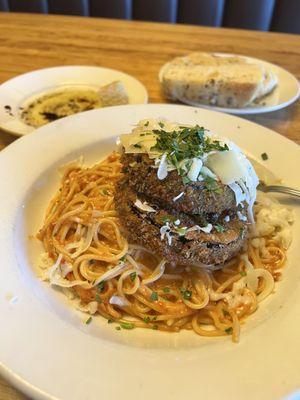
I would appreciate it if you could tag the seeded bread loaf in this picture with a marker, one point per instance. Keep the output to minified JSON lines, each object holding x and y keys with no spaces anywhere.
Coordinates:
{"x":216,"y":80}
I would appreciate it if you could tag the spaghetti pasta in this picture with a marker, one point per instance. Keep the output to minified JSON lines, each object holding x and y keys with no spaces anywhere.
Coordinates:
{"x":134,"y":287}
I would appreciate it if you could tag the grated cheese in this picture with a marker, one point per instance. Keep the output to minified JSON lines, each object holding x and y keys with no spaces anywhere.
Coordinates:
{"x":144,"y":206}
{"x":230,"y":166}
{"x":178,"y":197}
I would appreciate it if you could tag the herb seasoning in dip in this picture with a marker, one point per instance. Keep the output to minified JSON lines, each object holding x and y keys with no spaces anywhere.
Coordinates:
{"x":59,"y":104}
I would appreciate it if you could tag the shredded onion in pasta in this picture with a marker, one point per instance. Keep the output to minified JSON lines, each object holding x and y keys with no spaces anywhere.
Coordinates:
{"x":129,"y":284}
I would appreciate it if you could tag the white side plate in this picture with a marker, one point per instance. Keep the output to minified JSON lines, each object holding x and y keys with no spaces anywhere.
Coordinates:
{"x":286,"y":92}
{"x":27,"y":87}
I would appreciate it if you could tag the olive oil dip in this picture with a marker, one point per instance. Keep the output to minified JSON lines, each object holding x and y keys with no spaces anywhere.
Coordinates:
{"x":61,"y":103}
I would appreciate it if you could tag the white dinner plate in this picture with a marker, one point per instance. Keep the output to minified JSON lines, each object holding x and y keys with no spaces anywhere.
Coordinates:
{"x":27,"y":87}
{"x":48,"y":352}
{"x":286,"y":92}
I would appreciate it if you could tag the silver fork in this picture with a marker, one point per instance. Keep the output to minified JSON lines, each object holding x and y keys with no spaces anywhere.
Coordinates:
{"x":278,"y":188}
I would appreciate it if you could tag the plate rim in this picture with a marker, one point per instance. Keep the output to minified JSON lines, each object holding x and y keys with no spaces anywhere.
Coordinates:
{"x":16,"y":379}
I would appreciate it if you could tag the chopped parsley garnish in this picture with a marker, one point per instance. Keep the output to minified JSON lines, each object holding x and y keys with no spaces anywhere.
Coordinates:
{"x":88,"y":321}
{"x":155,"y":327}
{"x":243,"y":273}
{"x":264,"y":156}
{"x":100,"y":286}
{"x":219,"y":228}
{"x":147,"y":123}
{"x":118,"y":328}
{"x":146,"y":320}
{"x":165,"y":219}
{"x":225,"y":312}
{"x":166,"y":290}
{"x":127,"y":325}
{"x":229,"y":331}
{"x":132,"y":276}
{"x":98,"y":299}
{"x":110,"y":321}
{"x":104,"y":192}
{"x":185,"y":180}
{"x":161,"y":124}
{"x":137,"y":146}
{"x":186,"y":294}
{"x":181,"y":231}
{"x":185,"y":143}
{"x":154,"y":296}
{"x":212,"y":185}
{"x":123,"y":258}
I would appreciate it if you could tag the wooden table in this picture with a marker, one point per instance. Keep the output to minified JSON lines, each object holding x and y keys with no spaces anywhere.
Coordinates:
{"x":30,"y":42}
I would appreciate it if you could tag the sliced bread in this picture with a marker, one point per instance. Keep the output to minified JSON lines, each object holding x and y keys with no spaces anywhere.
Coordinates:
{"x":216,"y":80}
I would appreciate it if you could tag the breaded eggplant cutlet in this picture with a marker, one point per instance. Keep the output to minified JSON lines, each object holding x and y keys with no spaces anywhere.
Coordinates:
{"x":182,"y":211}
{"x":198,"y":206}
